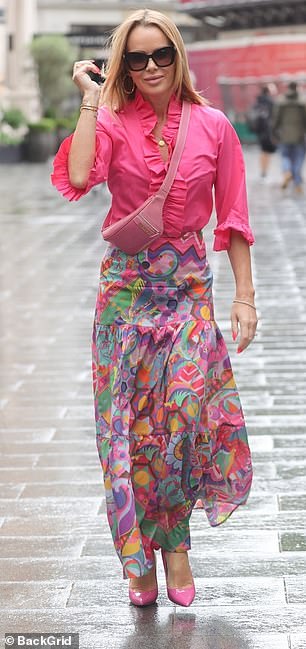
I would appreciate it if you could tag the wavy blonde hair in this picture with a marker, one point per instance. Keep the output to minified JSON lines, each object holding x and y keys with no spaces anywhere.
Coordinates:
{"x":113,"y":92}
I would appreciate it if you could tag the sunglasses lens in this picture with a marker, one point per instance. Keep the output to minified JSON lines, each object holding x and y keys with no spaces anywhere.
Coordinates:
{"x":164,"y":56}
{"x":136,"y":60}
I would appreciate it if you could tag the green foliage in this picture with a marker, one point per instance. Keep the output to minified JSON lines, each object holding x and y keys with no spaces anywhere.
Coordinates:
{"x":50,"y":112}
{"x":54,"y":57}
{"x":14,"y":117}
{"x":6,"y":140}
{"x":44,"y":125}
{"x":68,"y":122}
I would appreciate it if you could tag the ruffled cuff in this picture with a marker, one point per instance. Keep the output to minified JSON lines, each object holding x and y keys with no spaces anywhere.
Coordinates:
{"x":223,"y":233}
{"x":60,"y":177}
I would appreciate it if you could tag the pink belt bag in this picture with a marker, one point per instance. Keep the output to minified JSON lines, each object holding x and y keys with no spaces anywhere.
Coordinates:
{"x":137,"y":230}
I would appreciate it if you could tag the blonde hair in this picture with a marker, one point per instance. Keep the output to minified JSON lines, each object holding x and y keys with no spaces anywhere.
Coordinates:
{"x":113,"y":93}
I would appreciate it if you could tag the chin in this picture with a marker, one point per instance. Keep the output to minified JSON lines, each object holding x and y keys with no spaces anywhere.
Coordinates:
{"x":157,"y":91}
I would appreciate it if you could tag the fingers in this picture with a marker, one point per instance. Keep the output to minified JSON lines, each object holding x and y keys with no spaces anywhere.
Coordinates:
{"x":80,"y":74}
{"x":244,"y":319}
{"x":85,"y":65}
{"x":235,"y":327}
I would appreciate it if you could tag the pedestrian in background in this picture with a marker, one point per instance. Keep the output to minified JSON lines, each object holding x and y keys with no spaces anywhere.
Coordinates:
{"x":289,"y":125}
{"x":260,"y":122}
{"x":170,"y":427}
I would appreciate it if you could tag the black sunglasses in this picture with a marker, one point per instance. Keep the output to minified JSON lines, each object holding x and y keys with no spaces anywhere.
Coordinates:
{"x":162,"y":57}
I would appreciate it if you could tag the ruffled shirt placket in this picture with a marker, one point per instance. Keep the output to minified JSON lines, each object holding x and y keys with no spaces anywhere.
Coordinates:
{"x":174,"y":207}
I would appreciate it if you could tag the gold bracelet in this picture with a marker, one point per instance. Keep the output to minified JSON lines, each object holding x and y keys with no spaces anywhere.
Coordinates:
{"x":93,"y":110}
{"x":84,"y":105}
{"x":244,"y":302}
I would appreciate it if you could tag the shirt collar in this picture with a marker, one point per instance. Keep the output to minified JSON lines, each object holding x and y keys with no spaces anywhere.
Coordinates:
{"x":148,"y":116}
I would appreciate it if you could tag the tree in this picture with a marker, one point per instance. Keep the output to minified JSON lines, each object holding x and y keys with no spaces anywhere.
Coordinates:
{"x":54,"y":57}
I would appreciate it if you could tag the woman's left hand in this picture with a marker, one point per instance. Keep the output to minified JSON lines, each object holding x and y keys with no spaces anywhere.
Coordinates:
{"x":244,"y":322}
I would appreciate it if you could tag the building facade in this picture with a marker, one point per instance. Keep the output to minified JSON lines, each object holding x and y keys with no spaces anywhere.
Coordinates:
{"x":225,"y":15}
{"x":86,"y":23}
{"x":234,"y":46}
{"x":18,"y":85}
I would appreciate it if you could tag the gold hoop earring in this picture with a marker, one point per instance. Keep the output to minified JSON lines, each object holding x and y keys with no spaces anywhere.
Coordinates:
{"x":128,"y":89}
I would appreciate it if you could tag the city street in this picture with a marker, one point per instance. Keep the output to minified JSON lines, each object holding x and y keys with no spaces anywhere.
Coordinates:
{"x":58,"y":568}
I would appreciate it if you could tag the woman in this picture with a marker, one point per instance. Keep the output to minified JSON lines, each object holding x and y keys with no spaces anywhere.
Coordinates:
{"x":170,"y":429}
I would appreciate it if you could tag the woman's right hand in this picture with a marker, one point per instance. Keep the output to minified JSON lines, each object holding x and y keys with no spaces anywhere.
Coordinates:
{"x":82,"y":79}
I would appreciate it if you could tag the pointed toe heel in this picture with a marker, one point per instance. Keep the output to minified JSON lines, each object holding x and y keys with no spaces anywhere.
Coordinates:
{"x":180,"y":596}
{"x":144,"y":598}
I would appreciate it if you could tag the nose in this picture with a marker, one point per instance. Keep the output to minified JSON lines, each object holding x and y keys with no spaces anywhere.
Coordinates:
{"x":151,"y":65}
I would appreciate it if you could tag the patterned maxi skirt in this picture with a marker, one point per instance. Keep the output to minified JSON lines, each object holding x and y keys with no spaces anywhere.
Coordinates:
{"x":170,"y":428}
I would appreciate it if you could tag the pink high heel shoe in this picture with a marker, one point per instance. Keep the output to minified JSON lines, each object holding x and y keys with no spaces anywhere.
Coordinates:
{"x":145,"y":597}
{"x":180,"y":596}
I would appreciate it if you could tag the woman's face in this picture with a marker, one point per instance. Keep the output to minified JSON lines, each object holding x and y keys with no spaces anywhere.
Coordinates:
{"x":153,"y":82}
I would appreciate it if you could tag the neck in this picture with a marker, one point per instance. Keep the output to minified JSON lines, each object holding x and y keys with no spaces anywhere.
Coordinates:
{"x":160,"y":106}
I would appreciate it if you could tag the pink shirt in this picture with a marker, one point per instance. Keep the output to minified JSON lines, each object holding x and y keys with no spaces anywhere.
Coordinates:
{"x":128,"y":158}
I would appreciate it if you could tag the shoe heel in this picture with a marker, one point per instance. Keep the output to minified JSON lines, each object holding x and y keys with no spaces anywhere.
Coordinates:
{"x":164,"y":562}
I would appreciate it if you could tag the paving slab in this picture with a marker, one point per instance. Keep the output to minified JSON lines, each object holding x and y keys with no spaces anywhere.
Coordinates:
{"x":215,"y":542}
{"x":30,"y":507}
{"x":297,"y":641}
{"x":161,"y":626}
{"x":214,"y":591}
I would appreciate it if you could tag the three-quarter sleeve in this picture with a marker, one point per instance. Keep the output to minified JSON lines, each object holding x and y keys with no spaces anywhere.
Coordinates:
{"x":98,"y":173}
{"x":230,"y":189}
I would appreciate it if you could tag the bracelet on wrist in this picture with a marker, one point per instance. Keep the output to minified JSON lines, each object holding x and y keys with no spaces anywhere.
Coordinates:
{"x":245,"y":302}
{"x":91,"y":110}
{"x":86,"y":104}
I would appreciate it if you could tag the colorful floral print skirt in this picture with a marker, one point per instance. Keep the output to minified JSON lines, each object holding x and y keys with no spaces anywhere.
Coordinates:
{"x":170,"y":428}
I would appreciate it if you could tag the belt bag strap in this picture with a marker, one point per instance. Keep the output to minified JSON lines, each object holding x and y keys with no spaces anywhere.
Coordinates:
{"x":137,"y":230}
{"x":178,"y":150}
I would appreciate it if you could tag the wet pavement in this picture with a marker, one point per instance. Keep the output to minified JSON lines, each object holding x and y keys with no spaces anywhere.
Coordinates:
{"x":59,"y":572}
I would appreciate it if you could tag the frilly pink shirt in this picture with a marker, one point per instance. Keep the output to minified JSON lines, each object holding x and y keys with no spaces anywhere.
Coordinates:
{"x":128,"y":158}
